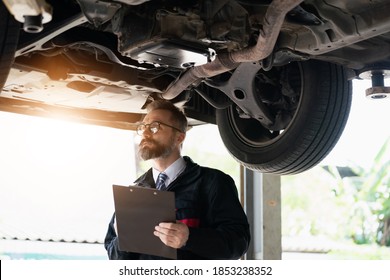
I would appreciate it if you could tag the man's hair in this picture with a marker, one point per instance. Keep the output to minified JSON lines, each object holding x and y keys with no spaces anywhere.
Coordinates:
{"x":177,"y":115}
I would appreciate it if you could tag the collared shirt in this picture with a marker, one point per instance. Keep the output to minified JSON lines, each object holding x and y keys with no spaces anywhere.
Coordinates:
{"x":173,"y":171}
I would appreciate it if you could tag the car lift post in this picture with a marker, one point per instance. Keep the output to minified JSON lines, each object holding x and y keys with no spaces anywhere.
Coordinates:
{"x":261,"y":197}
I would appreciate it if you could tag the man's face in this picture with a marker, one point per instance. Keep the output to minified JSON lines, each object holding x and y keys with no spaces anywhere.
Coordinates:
{"x":160,"y":144}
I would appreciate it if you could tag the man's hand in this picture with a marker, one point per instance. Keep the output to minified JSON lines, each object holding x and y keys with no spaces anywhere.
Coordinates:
{"x":174,"y":235}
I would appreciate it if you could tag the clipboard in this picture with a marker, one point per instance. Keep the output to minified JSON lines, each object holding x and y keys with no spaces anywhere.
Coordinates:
{"x":138,"y":210}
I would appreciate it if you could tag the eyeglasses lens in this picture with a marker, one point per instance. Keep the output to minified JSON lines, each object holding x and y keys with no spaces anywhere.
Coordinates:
{"x":153,"y":128}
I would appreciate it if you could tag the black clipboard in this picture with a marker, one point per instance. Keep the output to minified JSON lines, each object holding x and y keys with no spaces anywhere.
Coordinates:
{"x":138,"y":210}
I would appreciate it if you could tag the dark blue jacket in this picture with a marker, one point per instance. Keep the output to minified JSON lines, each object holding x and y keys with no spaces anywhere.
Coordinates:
{"x":207,"y":201}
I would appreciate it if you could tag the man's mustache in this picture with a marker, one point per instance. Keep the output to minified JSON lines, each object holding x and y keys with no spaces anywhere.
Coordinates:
{"x":148,"y":141}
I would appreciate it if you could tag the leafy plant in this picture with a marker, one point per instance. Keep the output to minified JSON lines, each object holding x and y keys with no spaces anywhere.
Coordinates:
{"x":366,"y":191}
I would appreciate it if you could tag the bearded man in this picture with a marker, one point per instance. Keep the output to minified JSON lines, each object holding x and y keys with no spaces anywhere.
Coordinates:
{"x":211,"y":223}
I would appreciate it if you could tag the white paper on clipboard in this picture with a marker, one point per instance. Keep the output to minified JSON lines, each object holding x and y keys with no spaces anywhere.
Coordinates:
{"x":138,"y":210}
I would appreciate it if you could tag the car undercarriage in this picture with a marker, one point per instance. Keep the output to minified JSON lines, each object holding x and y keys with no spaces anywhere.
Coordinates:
{"x":274,"y":76}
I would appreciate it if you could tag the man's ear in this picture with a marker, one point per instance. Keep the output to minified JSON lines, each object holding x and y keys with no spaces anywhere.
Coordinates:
{"x":181,"y":137}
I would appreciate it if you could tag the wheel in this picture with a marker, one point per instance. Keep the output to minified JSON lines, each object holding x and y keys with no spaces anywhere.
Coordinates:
{"x":9,"y":34}
{"x":310,"y":102}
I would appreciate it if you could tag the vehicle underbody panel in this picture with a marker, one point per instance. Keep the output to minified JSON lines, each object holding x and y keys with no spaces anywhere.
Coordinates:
{"x":247,"y":59}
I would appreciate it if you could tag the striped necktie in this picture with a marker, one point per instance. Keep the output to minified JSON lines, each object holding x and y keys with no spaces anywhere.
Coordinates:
{"x":160,"y":183}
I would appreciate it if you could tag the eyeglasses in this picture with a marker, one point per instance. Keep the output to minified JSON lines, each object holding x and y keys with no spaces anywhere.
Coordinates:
{"x":153,"y":127}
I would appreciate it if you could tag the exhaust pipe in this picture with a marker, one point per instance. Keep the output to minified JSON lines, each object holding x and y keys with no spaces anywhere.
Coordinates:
{"x":224,"y":62}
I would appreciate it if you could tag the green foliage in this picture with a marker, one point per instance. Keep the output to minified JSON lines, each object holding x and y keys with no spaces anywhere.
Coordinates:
{"x":361,"y":252}
{"x":341,"y":203}
{"x":366,"y":193}
{"x":309,"y":206}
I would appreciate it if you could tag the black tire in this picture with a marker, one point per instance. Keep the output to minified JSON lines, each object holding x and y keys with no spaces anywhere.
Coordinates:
{"x":9,"y":34}
{"x":320,"y":117}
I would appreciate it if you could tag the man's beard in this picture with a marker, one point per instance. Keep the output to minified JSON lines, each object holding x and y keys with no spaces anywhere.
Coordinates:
{"x":157,"y":150}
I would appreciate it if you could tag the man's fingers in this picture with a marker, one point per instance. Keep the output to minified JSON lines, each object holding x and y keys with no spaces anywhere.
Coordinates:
{"x":171,"y":234}
{"x":168,"y":225}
